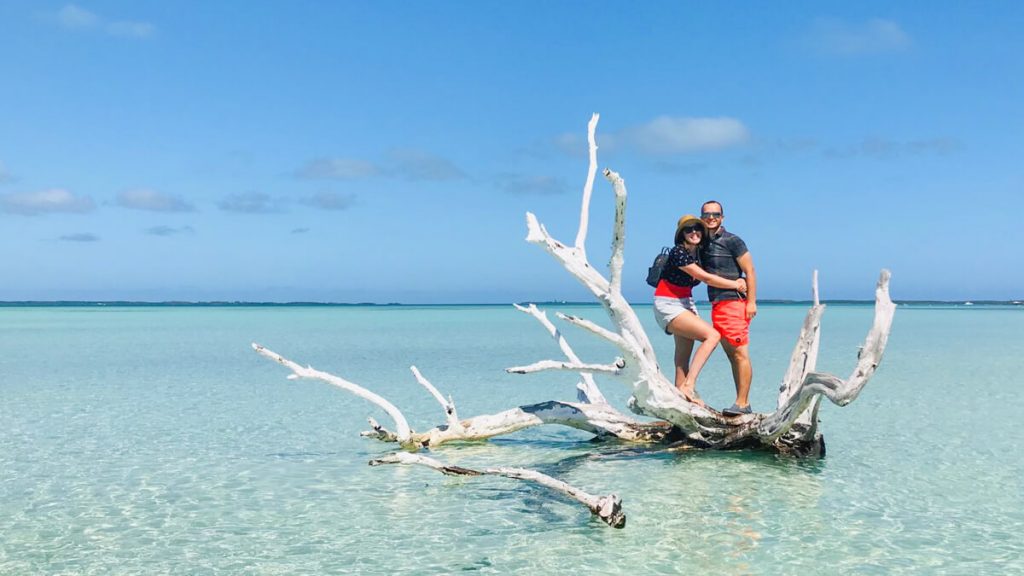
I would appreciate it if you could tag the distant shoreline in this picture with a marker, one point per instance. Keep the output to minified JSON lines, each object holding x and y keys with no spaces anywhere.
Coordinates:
{"x":241,"y":304}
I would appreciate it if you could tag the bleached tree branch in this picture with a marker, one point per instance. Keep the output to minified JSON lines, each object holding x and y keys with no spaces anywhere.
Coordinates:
{"x":613,"y":369}
{"x":653,"y":394}
{"x":607,"y":508}
{"x":379,"y":432}
{"x":805,"y":353}
{"x":587,"y":387}
{"x":768,"y":428}
{"x":600,"y":419}
{"x":449,"y":406}
{"x":619,"y":234}
{"x":589,"y":326}
{"x":581,"y":236}
{"x":402,"y":426}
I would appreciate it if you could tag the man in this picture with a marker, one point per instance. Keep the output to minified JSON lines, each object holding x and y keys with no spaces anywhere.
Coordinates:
{"x":726,"y":255}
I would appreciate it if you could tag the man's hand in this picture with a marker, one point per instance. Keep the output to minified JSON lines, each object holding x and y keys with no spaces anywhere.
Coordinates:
{"x":741,"y":286}
{"x":751,"y":309}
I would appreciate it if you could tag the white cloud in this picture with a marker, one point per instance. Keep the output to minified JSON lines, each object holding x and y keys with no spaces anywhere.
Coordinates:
{"x":576,"y":145}
{"x":852,"y":39}
{"x":676,"y":135}
{"x":249,"y":203}
{"x":5,"y":175}
{"x":146,"y":199}
{"x":940,"y":146}
{"x":130,"y":29}
{"x":169,"y":230}
{"x":401,"y":163}
{"x":571,"y":144}
{"x":338,"y":169}
{"x":531,"y":185}
{"x":420,"y":165}
{"x":44,"y":202}
{"x":80,"y":237}
{"x":74,"y":17}
{"x":330,"y":201}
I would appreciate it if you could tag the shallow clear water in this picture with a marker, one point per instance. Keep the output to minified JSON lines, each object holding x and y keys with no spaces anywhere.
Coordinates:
{"x":154,"y":440}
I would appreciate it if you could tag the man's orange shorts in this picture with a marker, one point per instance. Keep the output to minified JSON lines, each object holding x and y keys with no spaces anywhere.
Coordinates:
{"x":729,"y":317}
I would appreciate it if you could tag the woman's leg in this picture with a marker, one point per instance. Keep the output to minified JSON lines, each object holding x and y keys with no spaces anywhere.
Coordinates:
{"x":684,"y":347}
{"x":690,"y":326}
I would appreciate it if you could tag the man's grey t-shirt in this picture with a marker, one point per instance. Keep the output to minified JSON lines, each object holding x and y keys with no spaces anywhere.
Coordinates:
{"x":719,"y":257}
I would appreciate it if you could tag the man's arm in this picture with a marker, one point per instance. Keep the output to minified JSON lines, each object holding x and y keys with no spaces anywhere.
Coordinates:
{"x":713,"y":279}
{"x":746,"y":263}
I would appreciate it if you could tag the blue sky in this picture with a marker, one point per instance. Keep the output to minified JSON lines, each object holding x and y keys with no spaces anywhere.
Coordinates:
{"x":387,"y":152}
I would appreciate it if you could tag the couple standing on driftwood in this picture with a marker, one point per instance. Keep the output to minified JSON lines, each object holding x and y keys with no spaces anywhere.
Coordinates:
{"x":705,"y":252}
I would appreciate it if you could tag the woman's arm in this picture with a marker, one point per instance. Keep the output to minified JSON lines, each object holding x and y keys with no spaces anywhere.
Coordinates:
{"x":714,"y":279}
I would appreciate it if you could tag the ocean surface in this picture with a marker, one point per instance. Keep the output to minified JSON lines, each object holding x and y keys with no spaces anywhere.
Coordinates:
{"x":153,"y":440}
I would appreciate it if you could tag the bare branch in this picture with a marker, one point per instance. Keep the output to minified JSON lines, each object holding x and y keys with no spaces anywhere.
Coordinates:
{"x":840,"y":392}
{"x":607,"y":508}
{"x":589,"y":326}
{"x":653,"y":394}
{"x":573,"y":260}
{"x":619,"y":236}
{"x":614,"y":369}
{"x":805,"y":353}
{"x":588,"y":388}
{"x":449,"y":407}
{"x":600,"y":419}
{"x":379,"y":432}
{"x":581,"y":236}
{"x":401,"y":424}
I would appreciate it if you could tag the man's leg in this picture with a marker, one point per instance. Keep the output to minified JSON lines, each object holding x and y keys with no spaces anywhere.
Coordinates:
{"x":742,"y":371}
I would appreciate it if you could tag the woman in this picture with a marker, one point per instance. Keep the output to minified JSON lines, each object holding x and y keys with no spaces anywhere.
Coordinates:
{"x":674,"y":308}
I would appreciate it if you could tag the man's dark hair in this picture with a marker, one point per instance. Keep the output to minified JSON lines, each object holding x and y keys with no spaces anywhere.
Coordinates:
{"x":712,"y":202}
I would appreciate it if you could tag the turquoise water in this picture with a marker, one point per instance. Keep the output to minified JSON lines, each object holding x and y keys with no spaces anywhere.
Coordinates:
{"x":154,"y":440}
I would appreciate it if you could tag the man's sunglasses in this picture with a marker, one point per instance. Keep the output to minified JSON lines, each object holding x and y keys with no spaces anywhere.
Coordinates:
{"x":710,"y":214}
{"x":692,"y":229}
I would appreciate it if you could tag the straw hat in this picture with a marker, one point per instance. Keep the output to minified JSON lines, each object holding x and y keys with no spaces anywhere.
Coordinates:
{"x":689,"y":220}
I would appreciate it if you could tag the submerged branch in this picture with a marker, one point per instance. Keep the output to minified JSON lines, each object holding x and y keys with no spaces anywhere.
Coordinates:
{"x":607,"y":508}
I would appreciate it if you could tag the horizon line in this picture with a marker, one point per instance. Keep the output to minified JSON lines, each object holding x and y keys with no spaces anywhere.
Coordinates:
{"x":296,"y":303}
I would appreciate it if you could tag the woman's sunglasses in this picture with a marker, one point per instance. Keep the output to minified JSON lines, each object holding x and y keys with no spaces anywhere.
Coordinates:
{"x":692,"y":229}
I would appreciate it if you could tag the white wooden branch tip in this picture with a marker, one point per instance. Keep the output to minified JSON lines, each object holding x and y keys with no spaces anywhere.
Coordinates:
{"x":581,"y":236}
{"x":401,"y":425}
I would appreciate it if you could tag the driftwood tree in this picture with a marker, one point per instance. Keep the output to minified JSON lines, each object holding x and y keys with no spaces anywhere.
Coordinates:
{"x":680,"y":425}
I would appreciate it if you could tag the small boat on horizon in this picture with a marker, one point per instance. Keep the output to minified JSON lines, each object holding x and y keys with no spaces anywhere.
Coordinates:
{"x":968,"y":303}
